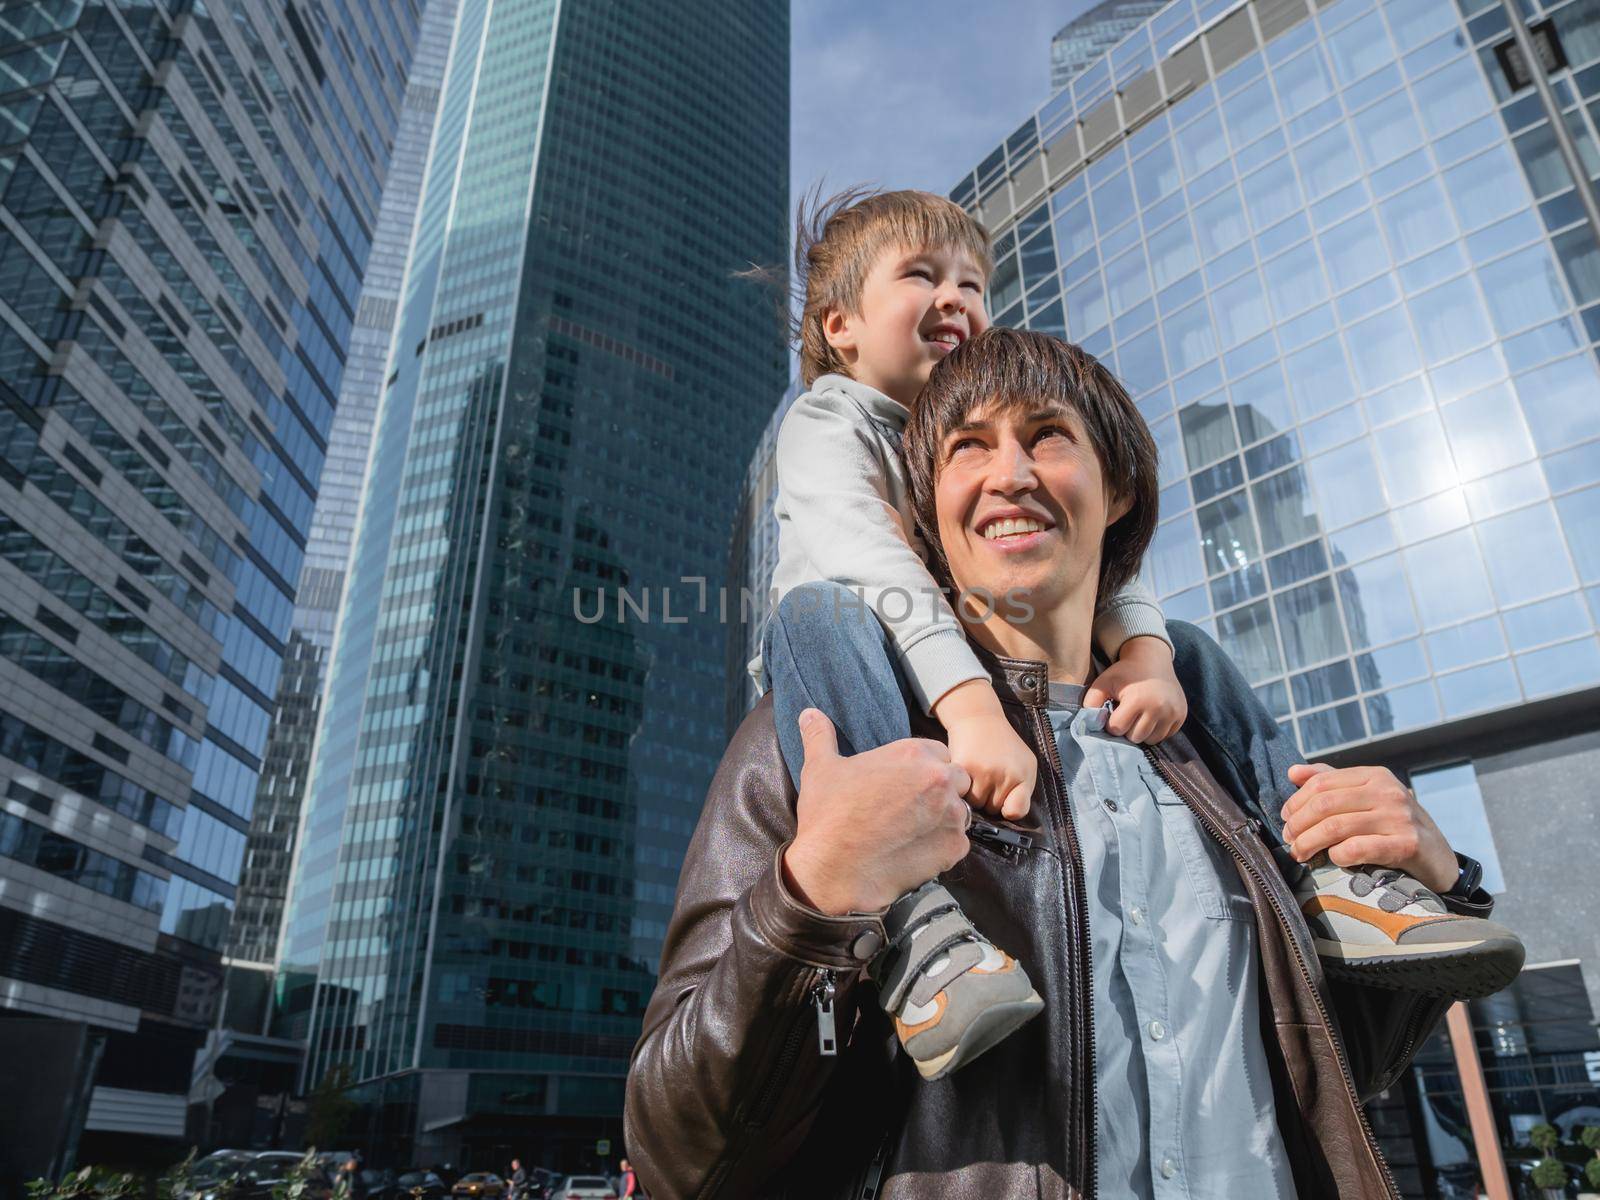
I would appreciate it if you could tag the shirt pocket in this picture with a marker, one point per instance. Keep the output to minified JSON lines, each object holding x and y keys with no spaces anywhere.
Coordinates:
{"x":1213,"y":877}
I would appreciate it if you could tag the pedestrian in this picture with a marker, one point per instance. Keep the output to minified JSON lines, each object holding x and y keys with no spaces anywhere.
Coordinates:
{"x":628,"y":1184}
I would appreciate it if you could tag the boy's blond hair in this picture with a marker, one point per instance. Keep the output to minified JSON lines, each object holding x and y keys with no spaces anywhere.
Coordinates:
{"x":838,"y":239}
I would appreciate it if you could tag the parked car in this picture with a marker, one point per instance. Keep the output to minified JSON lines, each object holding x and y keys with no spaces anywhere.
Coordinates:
{"x":412,"y":1184}
{"x":266,"y":1170}
{"x":479,"y":1185}
{"x":585,"y":1187}
{"x":212,"y":1171}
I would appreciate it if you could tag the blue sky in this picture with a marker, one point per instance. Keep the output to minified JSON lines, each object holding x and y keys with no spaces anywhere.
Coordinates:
{"x":911,"y":93}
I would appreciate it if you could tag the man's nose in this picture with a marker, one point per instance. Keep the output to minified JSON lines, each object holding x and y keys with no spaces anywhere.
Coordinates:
{"x":1011,"y":468}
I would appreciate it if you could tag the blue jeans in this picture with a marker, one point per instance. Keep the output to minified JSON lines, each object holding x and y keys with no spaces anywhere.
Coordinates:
{"x":824,"y":649}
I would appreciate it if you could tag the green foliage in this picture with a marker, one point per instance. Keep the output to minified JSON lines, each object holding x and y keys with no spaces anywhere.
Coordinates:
{"x":297,"y":1183}
{"x":1589,"y":1136}
{"x":1591,"y":1172}
{"x":89,"y":1183}
{"x":329,"y":1110}
{"x":1545,"y":1137}
{"x":1549,"y":1173}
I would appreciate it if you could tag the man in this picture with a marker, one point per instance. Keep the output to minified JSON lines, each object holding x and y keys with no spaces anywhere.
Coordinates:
{"x":517,"y":1185}
{"x":1190,"y":1045}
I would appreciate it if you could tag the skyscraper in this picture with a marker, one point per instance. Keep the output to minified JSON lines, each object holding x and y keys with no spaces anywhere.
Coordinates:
{"x":503,"y":783}
{"x":269,"y":852}
{"x":1344,"y":256}
{"x":1084,"y":39}
{"x":187,"y":193}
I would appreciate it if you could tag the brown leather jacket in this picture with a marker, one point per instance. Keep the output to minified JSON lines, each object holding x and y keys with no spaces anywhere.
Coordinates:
{"x":731,"y":1095}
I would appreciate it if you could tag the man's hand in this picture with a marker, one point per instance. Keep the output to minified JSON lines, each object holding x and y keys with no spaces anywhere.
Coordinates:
{"x":1364,"y":815}
{"x":876,"y":825}
{"x":1151,"y":706}
{"x":1002,"y":766}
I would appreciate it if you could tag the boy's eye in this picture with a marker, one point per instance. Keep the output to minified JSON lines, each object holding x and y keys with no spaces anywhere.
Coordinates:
{"x":920,"y":272}
{"x":973,"y":285}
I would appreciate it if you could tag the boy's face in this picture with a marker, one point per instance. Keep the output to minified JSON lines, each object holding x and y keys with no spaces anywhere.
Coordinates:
{"x":917,"y":304}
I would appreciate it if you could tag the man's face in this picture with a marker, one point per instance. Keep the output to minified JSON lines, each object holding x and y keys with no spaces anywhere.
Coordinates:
{"x":916,"y":306}
{"x":1022,"y":504}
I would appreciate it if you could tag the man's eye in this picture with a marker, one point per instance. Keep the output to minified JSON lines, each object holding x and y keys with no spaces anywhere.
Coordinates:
{"x":1058,"y":430}
{"x":967,"y":441}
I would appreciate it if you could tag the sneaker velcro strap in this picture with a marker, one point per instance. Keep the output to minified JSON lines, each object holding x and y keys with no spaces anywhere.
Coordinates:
{"x":911,"y":953}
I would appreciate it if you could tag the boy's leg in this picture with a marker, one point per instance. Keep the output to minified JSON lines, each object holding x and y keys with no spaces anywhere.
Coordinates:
{"x":1378,"y":927}
{"x":824,"y":648}
{"x":951,"y":993}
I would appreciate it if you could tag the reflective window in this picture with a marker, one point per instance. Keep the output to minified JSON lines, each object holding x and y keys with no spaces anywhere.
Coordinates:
{"x":1558,"y":401}
{"x":1525,"y":555}
{"x":1450,"y":319}
{"x":1190,"y":341}
{"x":1377,"y":602}
{"x":1308,"y":617}
{"x":1354,"y":251}
{"x":1156,"y":174}
{"x":1250,"y":113}
{"x":1173,"y":561}
{"x":1319,"y":377}
{"x":1207,"y":433}
{"x":1448,"y":578}
{"x":1241,"y":310}
{"x":1113,"y":202}
{"x":1486,"y":188}
{"x":1452,"y":96}
{"x":1383,"y":348}
{"x":1360,"y":48}
{"x":1127,"y":280}
{"x":1220,"y":223}
{"x":1453,"y":800}
{"x":1227,"y":536}
{"x":1086,"y":308}
{"x":1302,"y":81}
{"x":1248,"y":636}
{"x":1262,"y":403}
{"x":1294,"y":280}
{"x":1387,"y":130}
{"x":1523,"y":289}
{"x":1347,"y":484}
{"x":1580,"y":517}
{"x":1416,"y":220}
{"x":1074,"y":232}
{"x":1271,"y":194}
{"x":1286,"y":510}
{"x":1201,"y":145}
{"x":1172,"y":253}
{"x":1328,"y":161}
{"x":1487,"y":432}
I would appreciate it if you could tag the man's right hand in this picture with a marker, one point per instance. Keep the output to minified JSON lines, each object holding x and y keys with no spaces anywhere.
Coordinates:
{"x":873,"y":826}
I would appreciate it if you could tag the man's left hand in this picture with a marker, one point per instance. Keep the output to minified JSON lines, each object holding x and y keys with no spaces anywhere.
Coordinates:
{"x":1365,"y":816}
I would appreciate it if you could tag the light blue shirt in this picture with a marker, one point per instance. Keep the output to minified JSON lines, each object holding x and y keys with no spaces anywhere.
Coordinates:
{"x":1184,"y":1104}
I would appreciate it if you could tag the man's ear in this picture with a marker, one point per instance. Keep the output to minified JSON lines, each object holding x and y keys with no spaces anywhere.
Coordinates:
{"x":1120,"y":507}
{"x":839,"y":330}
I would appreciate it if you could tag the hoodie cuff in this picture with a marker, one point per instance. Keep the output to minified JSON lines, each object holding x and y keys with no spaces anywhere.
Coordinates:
{"x":1126,"y":619}
{"x":938,"y":662}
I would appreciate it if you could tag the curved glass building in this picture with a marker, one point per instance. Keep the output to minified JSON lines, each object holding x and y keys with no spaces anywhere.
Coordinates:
{"x":1343,"y":255}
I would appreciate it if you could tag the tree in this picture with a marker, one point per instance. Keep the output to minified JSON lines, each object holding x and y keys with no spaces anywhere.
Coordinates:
{"x":330,"y":1111}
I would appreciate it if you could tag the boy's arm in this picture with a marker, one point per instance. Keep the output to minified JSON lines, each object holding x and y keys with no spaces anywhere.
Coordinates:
{"x":1130,"y":613}
{"x":832,"y":481}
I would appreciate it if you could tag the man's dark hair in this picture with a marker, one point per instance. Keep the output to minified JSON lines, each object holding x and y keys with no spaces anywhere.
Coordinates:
{"x":1014,"y":368}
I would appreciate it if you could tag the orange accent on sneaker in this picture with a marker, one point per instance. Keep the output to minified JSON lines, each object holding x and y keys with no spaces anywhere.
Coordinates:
{"x":1392,"y":925}
{"x":907,"y":1032}
{"x":1008,"y":964}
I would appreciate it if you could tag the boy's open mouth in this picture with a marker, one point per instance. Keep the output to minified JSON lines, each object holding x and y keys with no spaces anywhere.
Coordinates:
{"x":945,"y":335}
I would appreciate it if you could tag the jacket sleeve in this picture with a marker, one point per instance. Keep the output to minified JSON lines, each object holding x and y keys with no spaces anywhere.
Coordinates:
{"x":831,"y":482}
{"x":727,"y":1076}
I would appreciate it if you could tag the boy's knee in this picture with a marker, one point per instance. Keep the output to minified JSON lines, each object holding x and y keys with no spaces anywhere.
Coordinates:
{"x":824,"y":609}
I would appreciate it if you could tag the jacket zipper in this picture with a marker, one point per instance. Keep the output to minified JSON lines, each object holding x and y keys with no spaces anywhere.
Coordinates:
{"x":1197,"y":806}
{"x":821,"y":985}
{"x":1009,"y":842}
{"x":1074,"y":889}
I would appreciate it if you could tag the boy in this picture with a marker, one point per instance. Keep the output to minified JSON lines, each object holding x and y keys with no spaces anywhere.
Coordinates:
{"x":893,"y":282}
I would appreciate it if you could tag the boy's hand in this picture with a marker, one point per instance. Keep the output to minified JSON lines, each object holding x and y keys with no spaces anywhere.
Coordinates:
{"x":1002,"y":766}
{"x":1151,"y":706}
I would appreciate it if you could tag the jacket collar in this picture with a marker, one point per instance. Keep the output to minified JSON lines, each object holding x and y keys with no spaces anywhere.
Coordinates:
{"x":1025,"y":680}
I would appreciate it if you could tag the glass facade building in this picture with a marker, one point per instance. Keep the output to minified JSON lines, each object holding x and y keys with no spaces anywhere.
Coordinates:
{"x":511,"y":754}
{"x":269,"y":852}
{"x":187,"y":193}
{"x":1341,"y":254}
{"x":1084,"y":40}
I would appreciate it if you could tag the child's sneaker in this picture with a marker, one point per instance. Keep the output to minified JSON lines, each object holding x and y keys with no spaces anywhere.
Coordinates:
{"x":951,"y":993}
{"x":1381,"y":927}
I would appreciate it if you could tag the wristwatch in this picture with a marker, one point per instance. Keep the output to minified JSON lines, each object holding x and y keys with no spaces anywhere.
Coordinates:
{"x":1467,"y":883}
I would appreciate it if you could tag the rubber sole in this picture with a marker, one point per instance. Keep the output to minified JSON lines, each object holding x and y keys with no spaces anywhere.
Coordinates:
{"x":1459,"y":974}
{"x":989,"y":1028}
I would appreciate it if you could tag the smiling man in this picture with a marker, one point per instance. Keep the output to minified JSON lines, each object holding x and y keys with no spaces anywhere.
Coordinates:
{"x":1190,"y":1044}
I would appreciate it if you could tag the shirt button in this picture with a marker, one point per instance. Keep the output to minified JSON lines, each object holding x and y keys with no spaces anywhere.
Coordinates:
{"x":1157,"y":1031}
{"x":1111,"y":806}
{"x":1136,"y":915}
{"x":1168,"y":1168}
